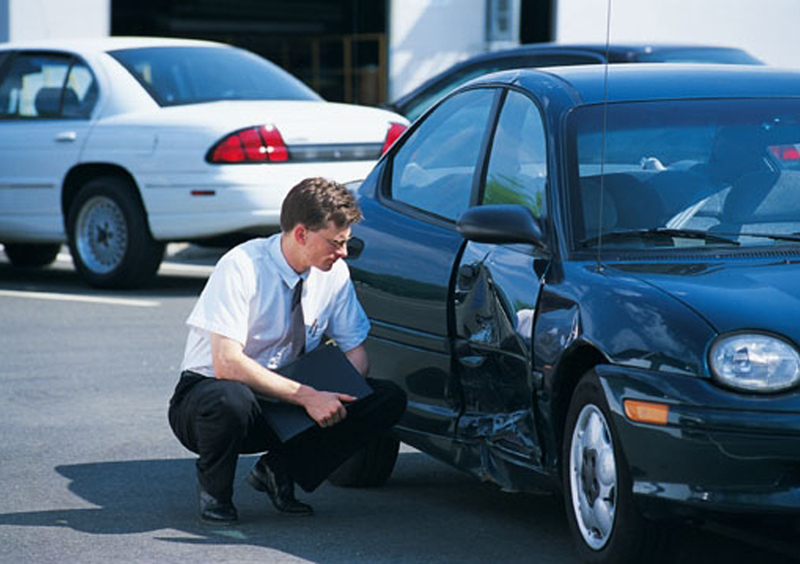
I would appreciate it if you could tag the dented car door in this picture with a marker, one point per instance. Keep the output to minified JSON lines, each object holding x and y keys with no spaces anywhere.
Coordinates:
{"x":496,"y":287}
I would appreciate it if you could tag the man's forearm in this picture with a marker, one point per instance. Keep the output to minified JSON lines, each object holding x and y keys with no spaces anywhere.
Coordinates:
{"x":358,"y":358}
{"x":230,"y":363}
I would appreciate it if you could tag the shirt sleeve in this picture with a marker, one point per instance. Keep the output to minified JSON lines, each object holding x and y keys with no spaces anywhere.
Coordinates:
{"x":349,"y":325}
{"x":224,"y":304}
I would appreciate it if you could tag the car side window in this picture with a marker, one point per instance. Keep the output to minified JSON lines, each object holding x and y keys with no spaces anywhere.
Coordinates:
{"x":434,"y":169}
{"x":80,"y":93}
{"x":47,"y":87}
{"x":517,"y":171}
{"x":426,"y":99}
{"x":450,"y":83}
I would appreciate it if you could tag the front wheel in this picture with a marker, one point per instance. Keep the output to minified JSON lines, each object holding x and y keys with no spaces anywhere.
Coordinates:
{"x":108,"y":235}
{"x":597,"y":486}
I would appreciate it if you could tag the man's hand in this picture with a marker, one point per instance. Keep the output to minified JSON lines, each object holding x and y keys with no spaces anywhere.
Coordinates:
{"x":326,"y":408}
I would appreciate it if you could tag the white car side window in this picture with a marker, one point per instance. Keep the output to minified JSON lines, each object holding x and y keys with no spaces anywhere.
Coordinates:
{"x":46,"y":87}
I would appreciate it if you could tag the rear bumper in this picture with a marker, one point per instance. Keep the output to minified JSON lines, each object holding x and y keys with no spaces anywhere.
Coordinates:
{"x":230,"y":198}
{"x":719,"y":452}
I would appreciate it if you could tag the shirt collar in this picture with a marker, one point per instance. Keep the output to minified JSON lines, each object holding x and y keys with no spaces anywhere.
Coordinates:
{"x":286,"y":272}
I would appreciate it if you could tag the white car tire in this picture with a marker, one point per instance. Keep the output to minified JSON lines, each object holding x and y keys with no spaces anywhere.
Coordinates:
{"x":109,"y":237}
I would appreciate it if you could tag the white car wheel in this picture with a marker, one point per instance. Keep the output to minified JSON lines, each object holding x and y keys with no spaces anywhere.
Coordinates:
{"x":101,"y":235}
{"x":109,"y":237}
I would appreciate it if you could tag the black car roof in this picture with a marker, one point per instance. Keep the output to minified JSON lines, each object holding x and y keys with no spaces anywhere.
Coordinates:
{"x":614,"y":52}
{"x":617,"y":52}
{"x":659,"y":81}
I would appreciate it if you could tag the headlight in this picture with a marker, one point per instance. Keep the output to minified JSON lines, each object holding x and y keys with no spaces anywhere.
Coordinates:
{"x":754,"y":362}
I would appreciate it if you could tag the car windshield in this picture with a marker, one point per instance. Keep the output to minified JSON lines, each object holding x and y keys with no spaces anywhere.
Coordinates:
{"x":686,"y":173}
{"x":189,"y":75}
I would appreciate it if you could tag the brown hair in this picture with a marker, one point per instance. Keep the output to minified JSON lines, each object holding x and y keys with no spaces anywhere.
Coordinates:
{"x":316,"y":201}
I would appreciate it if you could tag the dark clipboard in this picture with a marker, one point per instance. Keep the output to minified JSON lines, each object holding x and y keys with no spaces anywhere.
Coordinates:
{"x":326,"y":368}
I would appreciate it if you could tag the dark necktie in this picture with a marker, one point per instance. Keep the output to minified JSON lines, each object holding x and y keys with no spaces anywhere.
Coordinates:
{"x":297,"y":331}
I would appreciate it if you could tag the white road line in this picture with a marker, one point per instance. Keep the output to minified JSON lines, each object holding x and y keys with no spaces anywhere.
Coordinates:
{"x":187,"y":268}
{"x":78,"y":298}
{"x":166,"y":266}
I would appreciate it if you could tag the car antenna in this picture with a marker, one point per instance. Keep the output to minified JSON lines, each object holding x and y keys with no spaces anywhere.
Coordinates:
{"x":599,"y":265}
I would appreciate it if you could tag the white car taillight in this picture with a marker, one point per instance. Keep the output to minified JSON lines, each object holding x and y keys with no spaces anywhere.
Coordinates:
{"x":395,"y":131}
{"x":251,"y":145}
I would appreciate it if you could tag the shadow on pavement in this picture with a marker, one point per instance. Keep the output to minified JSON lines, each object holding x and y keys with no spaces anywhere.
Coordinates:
{"x":426,"y":513}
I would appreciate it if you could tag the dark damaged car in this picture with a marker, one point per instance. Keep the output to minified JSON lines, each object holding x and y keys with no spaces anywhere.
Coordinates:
{"x":593,"y":288}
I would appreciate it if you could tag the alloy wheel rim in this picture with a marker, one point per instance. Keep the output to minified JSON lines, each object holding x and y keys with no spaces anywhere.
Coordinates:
{"x":593,"y":477}
{"x":101,"y":234}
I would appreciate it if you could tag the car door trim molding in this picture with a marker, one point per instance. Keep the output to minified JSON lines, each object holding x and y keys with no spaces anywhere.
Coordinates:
{"x":406,"y":336}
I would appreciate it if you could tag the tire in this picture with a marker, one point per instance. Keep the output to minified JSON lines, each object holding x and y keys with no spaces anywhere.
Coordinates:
{"x":108,"y":235}
{"x":369,"y":467}
{"x":32,"y":255}
{"x":597,"y":486}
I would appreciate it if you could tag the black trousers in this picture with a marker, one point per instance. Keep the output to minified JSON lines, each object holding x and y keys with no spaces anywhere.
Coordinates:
{"x":219,"y":420}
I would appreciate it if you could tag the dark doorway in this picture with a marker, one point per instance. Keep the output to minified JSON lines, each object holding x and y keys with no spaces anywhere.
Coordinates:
{"x":338,"y":47}
{"x":536,"y":21}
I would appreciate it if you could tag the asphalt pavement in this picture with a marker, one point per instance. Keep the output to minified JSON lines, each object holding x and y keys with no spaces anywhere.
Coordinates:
{"x":91,"y":473}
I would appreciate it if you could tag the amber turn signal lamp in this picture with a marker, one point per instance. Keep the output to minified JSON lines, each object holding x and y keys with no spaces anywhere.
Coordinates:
{"x":646,"y":412}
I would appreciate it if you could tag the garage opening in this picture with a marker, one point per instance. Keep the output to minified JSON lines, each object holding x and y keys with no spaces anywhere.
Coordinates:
{"x":337,"y":47}
{"x":536,"y":21}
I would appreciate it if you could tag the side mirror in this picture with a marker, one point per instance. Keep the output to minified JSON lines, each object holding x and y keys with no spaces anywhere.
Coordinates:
{"x":501,"y":223}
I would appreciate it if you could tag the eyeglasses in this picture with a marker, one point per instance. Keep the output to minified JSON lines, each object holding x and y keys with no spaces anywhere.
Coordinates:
{"x":337,"y":244}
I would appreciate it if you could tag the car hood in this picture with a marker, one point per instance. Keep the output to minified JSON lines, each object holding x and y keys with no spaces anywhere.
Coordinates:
{"x":299,"y":122}
{"x":733,"y":295}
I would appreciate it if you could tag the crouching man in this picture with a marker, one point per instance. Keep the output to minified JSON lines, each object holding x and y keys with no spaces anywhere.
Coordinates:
{"x":268,"y":301}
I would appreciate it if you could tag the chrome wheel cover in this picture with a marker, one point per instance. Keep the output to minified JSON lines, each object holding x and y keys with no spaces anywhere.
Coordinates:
{"x":101,"y":235}
{"x":593,"y":477}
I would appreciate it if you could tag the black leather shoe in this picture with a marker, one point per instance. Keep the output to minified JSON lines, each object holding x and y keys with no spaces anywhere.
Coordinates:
{"x":213,"y":510}
{"x":279,"y":486}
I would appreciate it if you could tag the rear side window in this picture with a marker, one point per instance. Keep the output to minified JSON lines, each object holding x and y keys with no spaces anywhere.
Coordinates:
{"x":434,"y":169}
{"x":189,"y":75}
{"x":46,"y":86}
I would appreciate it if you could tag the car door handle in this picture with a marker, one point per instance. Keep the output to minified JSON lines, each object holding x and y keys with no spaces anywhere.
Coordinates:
{"x":355,"y":246}
{"x":472,"y":361}
{"x":66,"y":137}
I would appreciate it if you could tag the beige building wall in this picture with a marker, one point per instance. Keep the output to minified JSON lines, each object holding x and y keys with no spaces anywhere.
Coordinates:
{"x":43,"y":19}
{"x":427,"y":36}
{"x":767,"y":28}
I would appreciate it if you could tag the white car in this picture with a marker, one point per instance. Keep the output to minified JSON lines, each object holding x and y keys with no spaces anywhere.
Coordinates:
{"x":118,"y":145}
